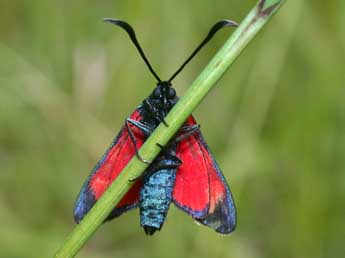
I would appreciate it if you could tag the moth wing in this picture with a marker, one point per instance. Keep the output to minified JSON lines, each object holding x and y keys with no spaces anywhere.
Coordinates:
{"x":200,"y":187}
{"x":106,"y":171}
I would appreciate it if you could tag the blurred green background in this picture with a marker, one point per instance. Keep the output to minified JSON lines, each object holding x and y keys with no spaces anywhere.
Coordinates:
{"x":275,"y":122}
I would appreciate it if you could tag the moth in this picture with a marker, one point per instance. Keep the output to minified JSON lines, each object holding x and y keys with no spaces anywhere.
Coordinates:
{"x":185,"y":172}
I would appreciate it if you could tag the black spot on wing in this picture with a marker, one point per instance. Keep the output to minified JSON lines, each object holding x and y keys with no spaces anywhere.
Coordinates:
{"x":222,"y":220}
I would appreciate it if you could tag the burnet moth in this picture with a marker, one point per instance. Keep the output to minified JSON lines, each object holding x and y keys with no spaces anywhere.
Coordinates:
{"x":185,"y":172}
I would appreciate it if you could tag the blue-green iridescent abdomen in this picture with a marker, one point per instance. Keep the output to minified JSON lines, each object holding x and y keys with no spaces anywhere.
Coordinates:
{"x":155,"y":198}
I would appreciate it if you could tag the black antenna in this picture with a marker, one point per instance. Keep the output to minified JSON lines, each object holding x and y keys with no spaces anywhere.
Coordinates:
{"x":128,"y":28}
{"x":213,"y":30}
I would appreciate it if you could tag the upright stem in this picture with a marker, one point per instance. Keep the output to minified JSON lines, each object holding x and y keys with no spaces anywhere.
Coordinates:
{"x":251,"y":25}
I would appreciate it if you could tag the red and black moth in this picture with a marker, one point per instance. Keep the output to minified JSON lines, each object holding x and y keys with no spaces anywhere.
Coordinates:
{"x":185,"y":172}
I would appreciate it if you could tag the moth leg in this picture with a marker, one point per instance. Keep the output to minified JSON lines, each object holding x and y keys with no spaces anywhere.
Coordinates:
{"x":173,"y":162}
{"x":164,"y":122}
{"x":160,"y":146}
{"x":130,"y":133}
{"x":187,"y":131}
{"x":188,"y":128}
{"x":144,"y":128}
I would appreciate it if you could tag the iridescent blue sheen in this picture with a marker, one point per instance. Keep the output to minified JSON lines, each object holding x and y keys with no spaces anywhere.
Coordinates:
{"x":155,"y":198}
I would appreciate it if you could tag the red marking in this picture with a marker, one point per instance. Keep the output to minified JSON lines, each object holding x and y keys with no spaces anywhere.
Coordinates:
{"x":217,"y":186}
{"x":198,"y":187}
{"x":117,"y":158}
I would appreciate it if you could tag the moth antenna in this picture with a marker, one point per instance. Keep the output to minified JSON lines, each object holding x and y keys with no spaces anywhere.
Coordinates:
{"x":131,"y":33}
{"x":216,"y":27}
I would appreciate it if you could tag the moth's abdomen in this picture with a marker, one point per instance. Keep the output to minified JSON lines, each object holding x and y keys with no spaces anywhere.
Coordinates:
{"x":155,"y":198}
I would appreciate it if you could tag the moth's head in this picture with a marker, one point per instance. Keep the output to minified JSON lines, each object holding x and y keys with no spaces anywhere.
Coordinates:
{"x":163,"y":91}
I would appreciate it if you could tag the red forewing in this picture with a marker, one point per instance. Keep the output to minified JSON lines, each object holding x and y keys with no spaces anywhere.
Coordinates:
{"x":200,"y":188}
{"x":108,"y":168}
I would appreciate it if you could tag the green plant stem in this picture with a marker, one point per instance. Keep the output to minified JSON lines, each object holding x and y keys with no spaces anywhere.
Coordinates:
{"x":251,"y":25}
